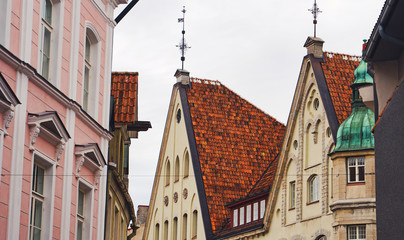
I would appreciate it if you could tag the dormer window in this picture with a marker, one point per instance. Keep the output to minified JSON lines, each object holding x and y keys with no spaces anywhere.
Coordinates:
{"x":249,"y":211}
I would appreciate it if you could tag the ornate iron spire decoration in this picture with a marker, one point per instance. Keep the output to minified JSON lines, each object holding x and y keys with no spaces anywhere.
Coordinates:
{"x":183,"y":45}
{"x":315,"y":11}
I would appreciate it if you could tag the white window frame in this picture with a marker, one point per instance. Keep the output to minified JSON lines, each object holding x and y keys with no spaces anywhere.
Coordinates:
{"x":248,"y":218}
{"x":45,"y":26}
{"x":49,"y":165}
{"x":292,"y":194}
{"x":94,"y":65}
{"x":313,"y":189}
{"x":88,"y":190}
{"x":356,"y":163}
{"x":262,"y":208}
{"x":5,"y":22}
{"x":356,"y":232}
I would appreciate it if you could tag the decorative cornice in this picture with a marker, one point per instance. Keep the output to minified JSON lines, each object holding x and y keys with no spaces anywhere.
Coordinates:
{"x":55,"y":93}
{"x":108,"y":20}
{"x":353,"y":203}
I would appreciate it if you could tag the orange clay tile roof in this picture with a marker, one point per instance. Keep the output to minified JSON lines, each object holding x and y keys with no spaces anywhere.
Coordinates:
{"x":265,"y":182}
{"x":235,"y":141}
{"x":124,"y":90}
{"x":339,"y":74}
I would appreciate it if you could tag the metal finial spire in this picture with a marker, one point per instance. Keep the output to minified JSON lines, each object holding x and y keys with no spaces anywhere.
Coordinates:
{"x":315,"y":11}
{"x":183,"y":45}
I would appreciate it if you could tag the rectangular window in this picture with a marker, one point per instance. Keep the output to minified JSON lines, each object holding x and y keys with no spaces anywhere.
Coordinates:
{"x":356,"y":170}
{"x":235,"y":217}
{"x":313,"y":189}
{"x":255,"y":211}
{"x":248,"y":214}
{"x":262,"y":209}
{"x":37,"y":202}
{"x":80,"y":215}
{"x":46,"y":31}
{"x":357,"y":232}
{"x":241,"y":215}
{"x":292,"y":190}
{"x":87,"y":69}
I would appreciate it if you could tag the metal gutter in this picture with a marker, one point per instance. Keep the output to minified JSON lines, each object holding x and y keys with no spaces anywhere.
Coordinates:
{"x":125,"y":11}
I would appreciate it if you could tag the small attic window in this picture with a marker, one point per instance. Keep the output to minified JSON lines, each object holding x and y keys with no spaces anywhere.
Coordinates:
{"x":316,"y":103}
{"x":179,"y":116}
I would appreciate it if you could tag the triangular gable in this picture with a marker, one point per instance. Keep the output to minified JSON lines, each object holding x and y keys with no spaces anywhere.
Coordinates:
{"x":332,"y":76}
{"x":8,"y":101}
{"x":174,"y":117}
{"x":90,"y":156}
{"x":49,"y":126}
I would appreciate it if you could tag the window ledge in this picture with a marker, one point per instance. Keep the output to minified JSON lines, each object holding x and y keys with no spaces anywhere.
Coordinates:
{"x":309,"y":203}
{"x":291,"y":209}
{"x":355,"y":183}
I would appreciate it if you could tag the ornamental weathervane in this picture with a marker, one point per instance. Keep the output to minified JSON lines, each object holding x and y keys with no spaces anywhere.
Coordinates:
{"x":183,"y":45}
{"x":315,"y":11}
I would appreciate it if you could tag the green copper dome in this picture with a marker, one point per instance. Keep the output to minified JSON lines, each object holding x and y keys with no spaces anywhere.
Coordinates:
{"x":355,"y":132}
{"x":362,"y":76}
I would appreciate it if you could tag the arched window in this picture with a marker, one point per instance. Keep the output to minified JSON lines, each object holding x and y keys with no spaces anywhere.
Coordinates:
{"x":184,"y":226}
{"x":167,"y":173}
{"x":322,"y":237}
{"x":165,"y":237}
{"x":194,"y":224}
{"x":313,"y":186}
{"x":175,"y":228}
{"x":177,"y":170}
{"x":91,"y":69}
{"x":157,"y":232}
{"x":46,"y":32}
{"x":186,"y":165}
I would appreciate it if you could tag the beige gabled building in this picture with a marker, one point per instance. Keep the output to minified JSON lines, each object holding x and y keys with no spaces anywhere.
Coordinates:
{"x":215,"y":147}
{"x":324,"y":185}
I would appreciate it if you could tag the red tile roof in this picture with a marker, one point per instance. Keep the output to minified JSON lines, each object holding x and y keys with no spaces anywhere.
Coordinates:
{"x":124,"y":90}
{"x":235,"y":141}
{"x":339,"y":74}
{"x":265,"y":182}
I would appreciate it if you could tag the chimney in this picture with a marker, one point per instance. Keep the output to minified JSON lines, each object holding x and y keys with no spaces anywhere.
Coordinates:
{"x":182,"y":76}
{"x":142,"y":211}
{"x":314,"y":46}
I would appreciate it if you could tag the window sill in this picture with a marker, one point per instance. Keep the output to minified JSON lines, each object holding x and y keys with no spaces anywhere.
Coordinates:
{"x":314,"y":202}
{"x":176,"y":181}
{"x":194,"y":237}
{"x":291,"y":209}
{"x":355,"y":183}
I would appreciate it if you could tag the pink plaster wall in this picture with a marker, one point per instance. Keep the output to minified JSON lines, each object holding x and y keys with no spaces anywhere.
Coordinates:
{"x":39,"y":100}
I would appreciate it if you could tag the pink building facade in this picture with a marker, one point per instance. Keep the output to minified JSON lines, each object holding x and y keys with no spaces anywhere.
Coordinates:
{"x":55,"y":77}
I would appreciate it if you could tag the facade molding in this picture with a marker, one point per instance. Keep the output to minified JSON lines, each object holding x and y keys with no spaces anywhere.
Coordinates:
{"x":39,"y":81}
{"x":110,"y":21}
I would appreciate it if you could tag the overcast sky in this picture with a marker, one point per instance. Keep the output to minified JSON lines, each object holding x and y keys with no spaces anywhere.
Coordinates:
{"x":253,"y":47}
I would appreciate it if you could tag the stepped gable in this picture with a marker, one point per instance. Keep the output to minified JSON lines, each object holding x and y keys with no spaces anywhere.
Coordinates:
{"x":235,"y":141}
{"x":124,"y":89}
{"x":339,"y":74}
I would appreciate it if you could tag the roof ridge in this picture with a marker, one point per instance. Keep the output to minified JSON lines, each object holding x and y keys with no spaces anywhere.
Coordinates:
{"x":351,"y":57}
{"x":218,"y":83}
